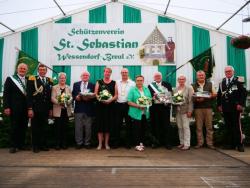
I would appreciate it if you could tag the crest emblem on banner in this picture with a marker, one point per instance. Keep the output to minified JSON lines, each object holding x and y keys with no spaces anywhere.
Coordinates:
{"x":157,"y":50}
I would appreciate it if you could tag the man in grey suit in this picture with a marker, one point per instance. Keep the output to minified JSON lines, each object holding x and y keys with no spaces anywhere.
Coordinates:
{"x":84,"y":97}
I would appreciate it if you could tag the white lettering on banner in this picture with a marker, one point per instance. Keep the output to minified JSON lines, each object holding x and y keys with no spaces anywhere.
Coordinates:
{"x":109,"y":44}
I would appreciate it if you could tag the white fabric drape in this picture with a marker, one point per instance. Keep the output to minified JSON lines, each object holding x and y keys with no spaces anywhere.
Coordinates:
{"x":218,"y":41}
{"x":116,"y":72}
{"x":76,"y":72}
{"x":148,"y":73}
{"x":184,"y":50}
{"x":10,"y":54}
{"x":82,"y":17}
{"x":114,"y":12}
{"x":45,"y":45}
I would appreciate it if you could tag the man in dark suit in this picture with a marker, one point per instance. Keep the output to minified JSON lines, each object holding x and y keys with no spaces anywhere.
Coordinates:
{"x":160,"y":111}
{"x":39,"y":106}
{"x":230,"y":101}
{"x":84,"y":97}
{"x":15,"y":106}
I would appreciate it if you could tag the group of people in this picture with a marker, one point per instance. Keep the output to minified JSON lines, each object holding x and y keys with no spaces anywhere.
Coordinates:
{"x":112,"y":104}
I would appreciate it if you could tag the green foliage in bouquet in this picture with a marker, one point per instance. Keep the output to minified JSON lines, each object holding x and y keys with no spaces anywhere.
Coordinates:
{"x":144,"y":101}
{"x":104,"y":95}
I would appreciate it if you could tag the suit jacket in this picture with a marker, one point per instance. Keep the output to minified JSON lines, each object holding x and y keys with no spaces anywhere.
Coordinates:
{"x":83,"y":106}
{"x":14,"y":98}
{"x":39,"y":94}
{"x":229,"y":96}
{"x":56,"y":91}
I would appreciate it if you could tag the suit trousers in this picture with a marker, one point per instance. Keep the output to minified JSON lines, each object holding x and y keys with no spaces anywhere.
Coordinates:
{"x":121,"y":118}
{"x":233,"y":128}
{"x":18,"y":129}
{"x":83,"y":125}
{"x":161,"y":128}
{"x":204,"y":116}
{"x":38,"y":125}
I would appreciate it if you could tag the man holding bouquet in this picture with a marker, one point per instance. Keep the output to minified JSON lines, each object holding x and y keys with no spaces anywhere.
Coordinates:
{"x":160,"y":111}
{"x":84,"y":97}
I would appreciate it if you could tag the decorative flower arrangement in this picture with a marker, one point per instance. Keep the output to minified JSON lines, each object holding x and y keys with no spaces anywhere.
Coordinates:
{"x":242,"y":42}
{"x":104,"y":95}
{"x":163,"y":98}
{"x":178,"y":99}
{"x":144,"y":101}
{"x":63,"y":99}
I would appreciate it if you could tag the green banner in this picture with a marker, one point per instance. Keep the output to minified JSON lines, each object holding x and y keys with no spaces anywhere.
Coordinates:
{"x":205,"y":62}
{"x":31,"y":62}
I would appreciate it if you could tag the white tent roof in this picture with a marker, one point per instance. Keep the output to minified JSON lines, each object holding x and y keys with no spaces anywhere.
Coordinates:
{"x":23,"y":14}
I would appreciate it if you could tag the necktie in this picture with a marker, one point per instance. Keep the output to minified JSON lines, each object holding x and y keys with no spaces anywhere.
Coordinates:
{"x":228,"y":81}
{"x":43,"y":80}
{"x":84,"y":85}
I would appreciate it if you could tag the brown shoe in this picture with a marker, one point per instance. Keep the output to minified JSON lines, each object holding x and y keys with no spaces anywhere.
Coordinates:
{"x":184,"y":148}
{"x":198,"y":146}
{"x":211,"y":147}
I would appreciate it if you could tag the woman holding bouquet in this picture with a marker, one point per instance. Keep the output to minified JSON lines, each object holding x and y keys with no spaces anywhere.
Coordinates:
{"x":106,"y":93}
{"x":139,"y":100}
{"x":184,"y":106}
{"x":61,"y":98}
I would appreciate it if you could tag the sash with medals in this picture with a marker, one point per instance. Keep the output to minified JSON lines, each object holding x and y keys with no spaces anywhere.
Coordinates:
{"x":18,"y":82}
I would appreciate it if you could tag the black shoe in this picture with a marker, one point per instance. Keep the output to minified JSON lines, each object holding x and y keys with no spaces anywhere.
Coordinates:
{"x":78,"y":146}
{"x":169,"y":147}
{"x":57,"y":148}
{"x":64,"y":147}
{"x":88,"y":146}
{"x":44,"y":149}
{"x":241,"y":148}
{"x":12,"y":150}
{"x":36,"y":150}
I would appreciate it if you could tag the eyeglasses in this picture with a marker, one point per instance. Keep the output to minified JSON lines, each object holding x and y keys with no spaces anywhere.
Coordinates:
{"x":124,"y":72}
{"x":228,"y":71}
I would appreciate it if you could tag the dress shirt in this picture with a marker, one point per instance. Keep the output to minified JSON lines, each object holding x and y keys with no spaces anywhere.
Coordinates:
{"x":123,"y":89}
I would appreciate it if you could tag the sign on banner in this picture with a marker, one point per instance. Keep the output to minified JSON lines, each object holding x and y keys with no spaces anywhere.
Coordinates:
{"x":112,"y":44}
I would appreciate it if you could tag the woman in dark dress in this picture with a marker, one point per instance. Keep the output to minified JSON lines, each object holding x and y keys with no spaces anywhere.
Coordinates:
{"x":105,"y":108}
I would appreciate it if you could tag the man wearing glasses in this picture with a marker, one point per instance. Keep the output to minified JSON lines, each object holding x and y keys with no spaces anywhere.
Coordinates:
{"x":230,"y":101}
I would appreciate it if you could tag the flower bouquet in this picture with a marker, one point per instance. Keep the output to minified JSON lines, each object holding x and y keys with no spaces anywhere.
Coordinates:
{"x":63,"y":99}
{"x":163,"y":98}
{"x":242,"y":42}
{"x":144,"y":101}
{"x":177,"y":99}
{"x":104,"y":95}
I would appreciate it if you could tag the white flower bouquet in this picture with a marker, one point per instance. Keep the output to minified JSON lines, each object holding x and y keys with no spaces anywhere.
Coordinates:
{"x":104,"y":95}
{"x":163,"y":98}
{"x":144,"y":101}
{"x":178,"y":99}
{"x":63,"y":99}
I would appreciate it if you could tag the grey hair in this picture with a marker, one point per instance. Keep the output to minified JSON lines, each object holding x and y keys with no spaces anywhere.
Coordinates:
{"x":181,"y":75}
{"x":21,"y":64}
{"x":229,"y":66}
{"x":157,"y":73}
{"x":85,"y":71}
{"x":62,"y":73}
